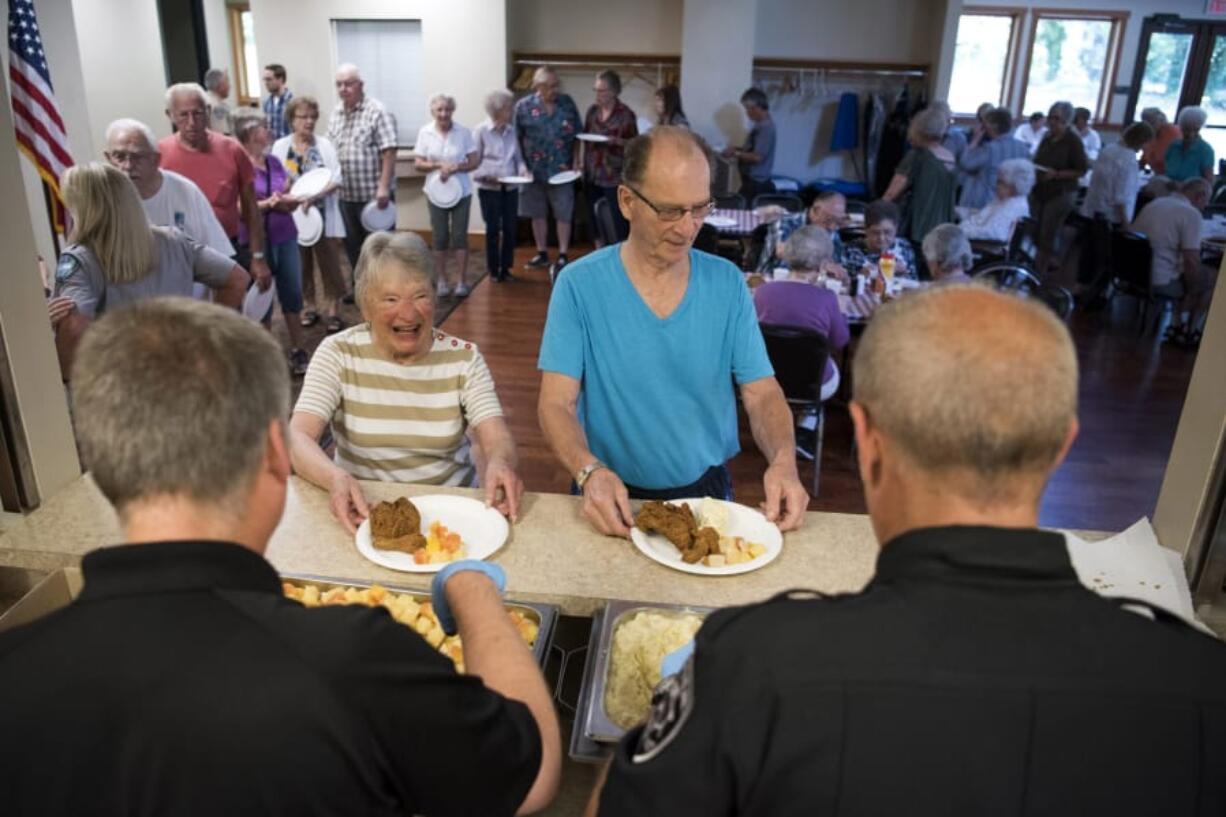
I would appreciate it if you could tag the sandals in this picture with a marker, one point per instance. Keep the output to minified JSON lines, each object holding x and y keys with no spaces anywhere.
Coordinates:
{"x":334,"y":325}
{"x":1182,"y":337}
{"x":309,"y":319}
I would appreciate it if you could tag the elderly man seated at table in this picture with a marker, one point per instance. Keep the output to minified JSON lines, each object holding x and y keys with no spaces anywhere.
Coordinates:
{"x":1117,"y":177}
{"x":995,"y":221}
{"x":881,"y":220}
{"x":402,"y":397}
{"x":948,"y":254}
{"x":828,"y":211}
{"x":644,"y":345}
{"x":803,"y":301}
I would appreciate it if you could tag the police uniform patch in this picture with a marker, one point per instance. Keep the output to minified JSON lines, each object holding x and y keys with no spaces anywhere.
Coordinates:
{"x":671,"y":704}
{"x":67,"y":265}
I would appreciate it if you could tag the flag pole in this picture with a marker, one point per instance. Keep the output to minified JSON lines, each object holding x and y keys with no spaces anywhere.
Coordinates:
{"x":49,"y":204}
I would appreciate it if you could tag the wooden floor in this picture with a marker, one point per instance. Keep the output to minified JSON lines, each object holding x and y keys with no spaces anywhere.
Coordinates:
{"x":1132,"y":391}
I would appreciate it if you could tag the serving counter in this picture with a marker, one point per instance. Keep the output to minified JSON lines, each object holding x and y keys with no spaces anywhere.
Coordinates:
{"x":552,"y":555}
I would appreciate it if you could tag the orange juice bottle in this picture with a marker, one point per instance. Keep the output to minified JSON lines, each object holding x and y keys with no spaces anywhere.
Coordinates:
{"x":887,"y":266}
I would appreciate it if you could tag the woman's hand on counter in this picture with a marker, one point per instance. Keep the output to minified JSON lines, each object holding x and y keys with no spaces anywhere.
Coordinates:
{"x":503,"y":488}
{"x":606,"y":503}
{"x":347,"y":502}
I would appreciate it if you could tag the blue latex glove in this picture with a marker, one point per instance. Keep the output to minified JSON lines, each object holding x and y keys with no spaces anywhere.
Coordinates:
{"x":675,"y":660}
{"x":439,"y":599}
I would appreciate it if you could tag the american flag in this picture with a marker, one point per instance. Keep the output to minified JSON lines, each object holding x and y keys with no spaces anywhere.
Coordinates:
{"x":36,"y":117}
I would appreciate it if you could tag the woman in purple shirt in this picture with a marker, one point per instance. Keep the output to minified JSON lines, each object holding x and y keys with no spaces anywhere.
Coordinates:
{"x":801,"y":301}
{"x":280,"y":235}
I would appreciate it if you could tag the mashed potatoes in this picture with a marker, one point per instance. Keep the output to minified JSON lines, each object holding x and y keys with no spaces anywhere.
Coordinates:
{"x":639,"y":645}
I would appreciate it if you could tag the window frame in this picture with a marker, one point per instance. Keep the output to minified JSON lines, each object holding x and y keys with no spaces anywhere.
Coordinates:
{"x":1008,"y":80}
{"x":1204,"y":33}
{"x":238,"y":55}
{"x":1119,"y":25}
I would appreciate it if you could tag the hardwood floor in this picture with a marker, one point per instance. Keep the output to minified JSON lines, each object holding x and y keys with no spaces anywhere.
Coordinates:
{"x":1132,"y":391}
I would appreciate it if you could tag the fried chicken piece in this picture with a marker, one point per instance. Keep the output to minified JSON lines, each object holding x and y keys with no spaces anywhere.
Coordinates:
{"x":396,"y":526}
{"x":706,"y":543}
{"x":674,"y":522}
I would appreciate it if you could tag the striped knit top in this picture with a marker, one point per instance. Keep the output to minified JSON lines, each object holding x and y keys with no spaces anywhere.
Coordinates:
{"x":400,"y":422}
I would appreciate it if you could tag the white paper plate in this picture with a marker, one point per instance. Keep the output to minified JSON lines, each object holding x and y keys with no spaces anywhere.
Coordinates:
{"x":720,"y":221}
{"x":311,"y":183}
{"x":855,"y":219}
{"x":592,"y":137}
{"x":565,"y":177}
{"x":744,"y":522}
{"x":483,"y":531}
{"x":515,"y":180}
{"x":310,"y":224}
{"x":645,"y":124}
{"x":442,"y":193}
{"x":374,"y":219}
{"x":256,"y":304}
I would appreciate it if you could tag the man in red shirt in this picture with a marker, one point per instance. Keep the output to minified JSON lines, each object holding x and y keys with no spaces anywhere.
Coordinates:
{"x":1154,"y":153}
{"x":220,"y":168}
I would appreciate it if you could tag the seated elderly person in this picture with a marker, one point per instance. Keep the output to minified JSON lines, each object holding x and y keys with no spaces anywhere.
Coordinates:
{"x":881,"y":220}
{"x":995,"y":221}
{"x":1117,"y":177}
{"x":828,"y":211}
{"x":948,"y":254}
{"x":802,"y":301}
{"x":402,"y":397}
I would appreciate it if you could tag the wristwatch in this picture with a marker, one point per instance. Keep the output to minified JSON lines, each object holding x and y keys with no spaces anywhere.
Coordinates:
{"x":258,"y":256}
{"x":586,"y":472}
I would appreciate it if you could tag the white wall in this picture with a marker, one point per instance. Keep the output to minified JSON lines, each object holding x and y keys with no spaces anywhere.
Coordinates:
{"x":588,"y":27}
{"x":465,"y":53}
{"x":874,"y":30}
{"x":217,"y":35}
{"x":716,"y":66}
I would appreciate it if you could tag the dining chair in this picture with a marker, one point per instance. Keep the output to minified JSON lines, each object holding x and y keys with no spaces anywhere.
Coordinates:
{"x":732,"y":201}
{"x":799,"y":357}
{"x":1132,"y":275}
{"x":788,"y":201}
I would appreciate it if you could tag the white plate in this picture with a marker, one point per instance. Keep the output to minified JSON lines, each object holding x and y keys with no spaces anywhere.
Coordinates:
{"x":443,"y":193}
{"x":310,"y":224}
{"x":592,"y":137}
{"x":515,"y":180}
{"x":375,"y":220}
{"x":744,"y":522}
{"x":311,"y":183}
{"x":483,"y":531}
{"x":565,"y":177}
{"x":256,"y":303}
{"x":720,"y":221}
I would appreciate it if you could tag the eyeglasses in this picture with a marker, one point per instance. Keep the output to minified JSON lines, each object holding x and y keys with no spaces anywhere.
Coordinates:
{"x":190,"y":113}
{"x":122,"y":156}
{"x":698,"y":211}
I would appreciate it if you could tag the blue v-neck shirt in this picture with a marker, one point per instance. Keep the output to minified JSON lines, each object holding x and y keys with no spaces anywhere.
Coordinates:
{"x":656,"y":399}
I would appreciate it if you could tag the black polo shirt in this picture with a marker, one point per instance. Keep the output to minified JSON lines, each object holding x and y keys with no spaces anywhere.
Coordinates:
{"x":973,"y":676}
{"x":182,"y":682}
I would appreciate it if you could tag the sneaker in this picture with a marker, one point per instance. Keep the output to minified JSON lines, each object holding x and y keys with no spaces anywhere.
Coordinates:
{"x":506,"y":276}
{"x":541,"y":259}
{"x":462,"y":290}
{"x":562,"y":261}
{"x":556,"y":268}
{"x":444,"y":289}
{"x":297,"y":362}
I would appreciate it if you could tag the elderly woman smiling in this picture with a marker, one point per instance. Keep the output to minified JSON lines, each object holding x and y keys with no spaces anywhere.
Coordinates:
{"x":402,"y":397}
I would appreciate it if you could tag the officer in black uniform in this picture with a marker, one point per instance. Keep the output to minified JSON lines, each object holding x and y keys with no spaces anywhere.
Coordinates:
{"x":974,"y":675}
{"x":182,"y":682}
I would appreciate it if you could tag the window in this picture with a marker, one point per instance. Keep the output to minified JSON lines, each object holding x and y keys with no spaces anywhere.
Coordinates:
{"x":1072,"y":59}
{"x":246,"y":73}
{"x":1165,"y":68}
{"x":390,"y":56}
{"x":983,"y":54}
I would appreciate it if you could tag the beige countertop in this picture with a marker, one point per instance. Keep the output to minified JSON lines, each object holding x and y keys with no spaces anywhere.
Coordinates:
{"x":552,"y":555}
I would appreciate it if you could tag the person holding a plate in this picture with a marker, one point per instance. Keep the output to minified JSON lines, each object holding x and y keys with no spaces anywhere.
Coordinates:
{"x":302,"y":152}
{"x":447,"y":149}
{"x":403,"y":398}
{"x":613,"y":120}
{"x":188,"y":681}
{"x":642,"y":346}
{"x":272,"y":183}
{"x":974,"y":674}
{"x":500,"y":161}
{"x":546,"y":123}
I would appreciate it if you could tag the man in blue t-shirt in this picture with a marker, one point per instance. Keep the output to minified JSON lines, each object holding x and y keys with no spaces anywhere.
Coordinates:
{"x":642,"y":346}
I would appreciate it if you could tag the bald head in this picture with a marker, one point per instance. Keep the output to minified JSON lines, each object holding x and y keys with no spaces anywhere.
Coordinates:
{"x":659,"y":147}
{"x":975,"y":388}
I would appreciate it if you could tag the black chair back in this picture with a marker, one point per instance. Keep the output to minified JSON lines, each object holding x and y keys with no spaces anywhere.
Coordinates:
{"x":1131,"y":262}
{"x":733,"y":201}
{"x":788,"y":201}
{"x":605,"y":228}
{"x":1010,"y":277}
{"x":799,"y":359}
{"x":1058,"y":298}
{"x":1024,"y":243}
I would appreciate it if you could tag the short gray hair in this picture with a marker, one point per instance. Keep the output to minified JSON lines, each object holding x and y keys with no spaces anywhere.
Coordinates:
{"x":1196,"y":185}
{"x":1193,"y":116}
{"x":213,"y":78}
{"x":153,"y":422}
{"x":1018,"y":174}
{"x":404,"y":254}
{"x":946,"y":247}
{"x":498,"y":99}
{"x":807,"y":247}
{"x":192,"y":88}
{"x":543,"y":73}
{"x":246,"y":120}
{"x":1156,"y":117}
{"x":125,"y":125}
{"x":938,"y":372}
{"x":1062,"y":109}
{"x":441,"y":97}
{"x":928,"y":125}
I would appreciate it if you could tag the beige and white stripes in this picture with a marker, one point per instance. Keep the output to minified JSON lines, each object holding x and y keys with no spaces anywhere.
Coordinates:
{"x":400,"y":423}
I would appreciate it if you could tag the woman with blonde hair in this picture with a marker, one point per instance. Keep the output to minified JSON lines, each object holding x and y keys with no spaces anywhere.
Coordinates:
{"x":114,"y":257}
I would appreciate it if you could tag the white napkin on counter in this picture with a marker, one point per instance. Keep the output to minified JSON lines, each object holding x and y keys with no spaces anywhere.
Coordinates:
{"x":1133,"y":565}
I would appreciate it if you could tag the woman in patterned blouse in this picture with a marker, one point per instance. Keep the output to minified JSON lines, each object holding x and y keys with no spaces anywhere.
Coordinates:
{"x":880,"y":234}
{"x":602,"y":161}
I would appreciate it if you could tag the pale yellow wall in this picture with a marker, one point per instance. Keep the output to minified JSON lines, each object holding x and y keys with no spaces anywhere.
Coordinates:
{"x":876,"y":30}
{"x":626,"y":26}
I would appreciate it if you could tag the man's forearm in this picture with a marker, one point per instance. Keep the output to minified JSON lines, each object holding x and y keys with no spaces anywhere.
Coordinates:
{"x":385,"y":171}
{"x":565,"y":437}
{"x":770,"y":419}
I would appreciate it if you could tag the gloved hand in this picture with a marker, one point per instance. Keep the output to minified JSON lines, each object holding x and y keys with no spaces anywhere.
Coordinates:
{"x":438,"y":597}
{"x":675,"y":660}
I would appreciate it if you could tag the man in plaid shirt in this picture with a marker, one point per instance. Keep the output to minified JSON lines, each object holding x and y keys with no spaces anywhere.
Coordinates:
{"x":278,"y":97}
{"x":365,"y":137}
